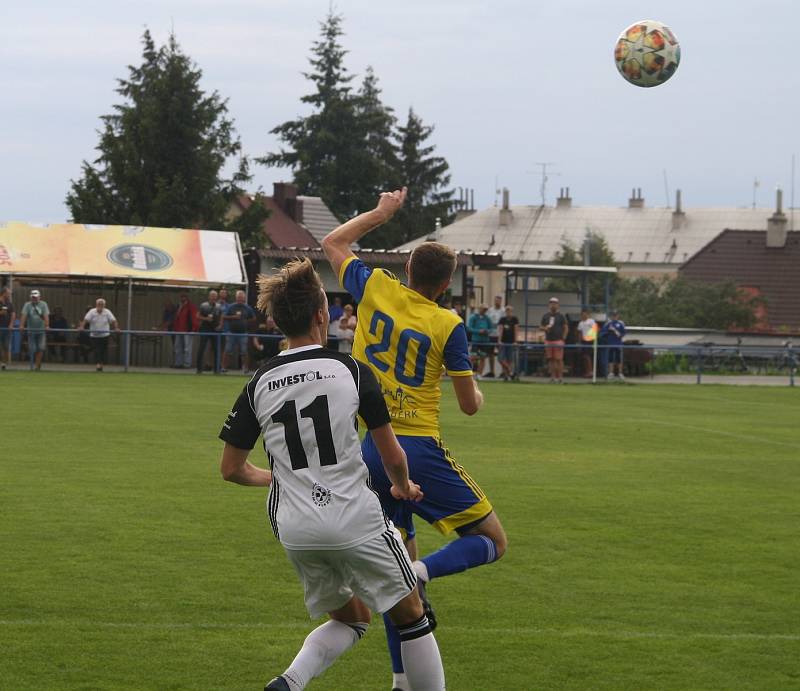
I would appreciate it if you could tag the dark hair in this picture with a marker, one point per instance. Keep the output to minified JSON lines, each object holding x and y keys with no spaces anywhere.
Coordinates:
{"x":431,"y":264}
{"x":291,"y":296}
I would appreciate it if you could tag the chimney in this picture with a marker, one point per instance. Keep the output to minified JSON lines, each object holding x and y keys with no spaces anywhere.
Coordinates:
{"x":637,"y":200}
{"x":678,"y":216}
{"x":505,"y":211}
{"x":564,"y":201}
{"x":776,"y":224}
{"x":284,"y":194}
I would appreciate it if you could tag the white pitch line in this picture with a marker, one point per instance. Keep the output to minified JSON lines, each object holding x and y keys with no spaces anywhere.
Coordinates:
{"x":530,"y":630}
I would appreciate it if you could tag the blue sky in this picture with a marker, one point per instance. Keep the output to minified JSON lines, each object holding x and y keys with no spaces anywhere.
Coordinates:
{"x":507,"y":84}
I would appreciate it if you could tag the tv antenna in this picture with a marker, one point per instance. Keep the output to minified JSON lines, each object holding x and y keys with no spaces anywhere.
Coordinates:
{"x":543,"y":166}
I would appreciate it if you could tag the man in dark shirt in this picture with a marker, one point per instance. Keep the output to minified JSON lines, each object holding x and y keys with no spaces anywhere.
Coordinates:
{"x":209,"y":315}
{"x":508,"y":336}
{"x":614,"y":331}
{"x":6,"y":324}
{"x":555,"y":327}
{"x":268,"y":342}
{"x":57,"y":339}
{"x":237,"y":317}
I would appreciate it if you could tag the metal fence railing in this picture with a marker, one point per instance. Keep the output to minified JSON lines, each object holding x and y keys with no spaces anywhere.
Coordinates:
{"x":219,"y":351}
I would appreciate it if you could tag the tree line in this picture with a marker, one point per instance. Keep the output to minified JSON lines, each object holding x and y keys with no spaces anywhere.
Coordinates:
{"x":666,"y":301}
{"x":163,"y":151}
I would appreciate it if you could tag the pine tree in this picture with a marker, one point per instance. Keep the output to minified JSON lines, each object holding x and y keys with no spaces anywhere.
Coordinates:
{"x":162,"y":152}
{"x":382,"y":166}
{"x":326,"y":149}
{"x":426,"y":177}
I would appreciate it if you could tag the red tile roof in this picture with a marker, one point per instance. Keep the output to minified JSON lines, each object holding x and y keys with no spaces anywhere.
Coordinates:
{"x":280,"y":228}
{"x":742,"y":256}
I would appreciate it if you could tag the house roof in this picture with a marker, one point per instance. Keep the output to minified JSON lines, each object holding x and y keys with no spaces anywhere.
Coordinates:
{"x":634,"y":235}
{"x":743,"y":257}
{"x":318,"y":219}
{"x":279,"y":227}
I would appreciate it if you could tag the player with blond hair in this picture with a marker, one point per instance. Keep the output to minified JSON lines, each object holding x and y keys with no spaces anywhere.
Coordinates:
{"x":348,"y":555}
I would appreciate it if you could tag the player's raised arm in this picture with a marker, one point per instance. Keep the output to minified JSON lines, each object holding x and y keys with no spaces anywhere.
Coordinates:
{"x":336,"y":244}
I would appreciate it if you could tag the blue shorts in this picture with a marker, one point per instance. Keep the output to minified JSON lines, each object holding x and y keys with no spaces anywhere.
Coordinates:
{"x":506,"y":352}
{"x":615,"y":355}
{"x":234,"y":341}
{"x":453,"y":500}
{"x":37,"y":341}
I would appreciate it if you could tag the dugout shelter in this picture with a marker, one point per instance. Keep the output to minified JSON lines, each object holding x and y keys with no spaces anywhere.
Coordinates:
{"x":67,"y":261}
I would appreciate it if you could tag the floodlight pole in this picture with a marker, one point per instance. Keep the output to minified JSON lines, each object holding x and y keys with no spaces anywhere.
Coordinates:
{"x":128,"y":325}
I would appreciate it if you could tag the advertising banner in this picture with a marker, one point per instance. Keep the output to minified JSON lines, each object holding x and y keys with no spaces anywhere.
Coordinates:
{"x":159,"y":254}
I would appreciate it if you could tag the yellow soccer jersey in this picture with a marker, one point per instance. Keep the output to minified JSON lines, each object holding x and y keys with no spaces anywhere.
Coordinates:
{"x":407,"y":341}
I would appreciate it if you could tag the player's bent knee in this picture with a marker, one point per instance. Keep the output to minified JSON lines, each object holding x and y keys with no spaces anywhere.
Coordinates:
{"x":409,"y":609}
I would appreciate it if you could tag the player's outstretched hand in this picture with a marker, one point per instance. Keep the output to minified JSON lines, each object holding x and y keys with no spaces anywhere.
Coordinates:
{"x":412,"y":493}
{"x":390,"y":202}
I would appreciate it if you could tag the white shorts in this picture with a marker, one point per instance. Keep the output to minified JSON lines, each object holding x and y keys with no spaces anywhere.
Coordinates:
{"x":377,"y":571}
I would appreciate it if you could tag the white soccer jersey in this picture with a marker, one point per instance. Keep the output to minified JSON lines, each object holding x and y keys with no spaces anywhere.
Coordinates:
{"x":304,"y":402}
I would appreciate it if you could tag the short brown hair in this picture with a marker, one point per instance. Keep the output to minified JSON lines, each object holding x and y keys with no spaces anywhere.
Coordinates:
{"x":291,"y":296}
{"x":431,"y":264}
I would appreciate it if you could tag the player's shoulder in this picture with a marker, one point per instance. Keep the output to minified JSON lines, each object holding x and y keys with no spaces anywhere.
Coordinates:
{"x":311,"y":363}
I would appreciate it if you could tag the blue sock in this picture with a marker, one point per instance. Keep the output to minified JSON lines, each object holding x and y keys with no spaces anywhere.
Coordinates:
{"x":460,"y":555}
{"x":393,"y":641}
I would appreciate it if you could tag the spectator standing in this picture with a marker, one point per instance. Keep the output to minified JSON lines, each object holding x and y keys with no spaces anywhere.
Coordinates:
{"x":236,"y":317}
{"x":508,"y":337}
{"x":36,"y":319}
{"x":614,"y":332}
{"x":555,"y":327}
{"x":347,"y":330}
{"x":84,"y":341}
{"x":480,"y":328}
{"x":7,"y":316}
{"x":335,"y":312}
{"x":496,"y":313}
{"x":100,"y":321}
{"x":209,"y":316}
{"x":459,"y":310}
{"x":57,"y":339}
{"x":185,"y":323}
{"x":168,"y":318}
{"x":268,"y":342}
{"x":587,"y":327}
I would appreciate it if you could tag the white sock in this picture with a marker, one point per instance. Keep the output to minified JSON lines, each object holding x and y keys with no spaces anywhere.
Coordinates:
{"x":423,"y":663}
{"x":321,"y":647}
{"x":400,"y":681}
{"x":421,"y":570}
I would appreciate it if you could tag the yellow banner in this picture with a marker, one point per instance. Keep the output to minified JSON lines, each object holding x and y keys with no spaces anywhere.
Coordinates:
{"x":163,"y":254}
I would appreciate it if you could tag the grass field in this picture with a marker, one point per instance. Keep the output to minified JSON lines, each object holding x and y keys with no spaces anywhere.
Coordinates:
{"x":654,"y":542}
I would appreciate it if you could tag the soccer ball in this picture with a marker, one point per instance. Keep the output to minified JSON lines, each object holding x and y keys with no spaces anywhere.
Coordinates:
{"x":647,"y":53}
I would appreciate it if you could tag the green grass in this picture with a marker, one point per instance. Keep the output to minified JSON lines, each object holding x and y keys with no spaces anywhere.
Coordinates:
{"x":654,"y":542}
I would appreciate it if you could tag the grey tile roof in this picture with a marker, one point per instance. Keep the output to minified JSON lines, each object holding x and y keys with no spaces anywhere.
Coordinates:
{"x":318,"y":219}
{"x":635,"y":236}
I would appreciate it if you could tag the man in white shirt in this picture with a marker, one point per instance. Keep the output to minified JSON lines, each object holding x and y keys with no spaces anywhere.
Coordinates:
{"x":350,"y":558}
{"x":347,"y":329}
{"x":587,"y":327}
{"x":100,"y":321}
